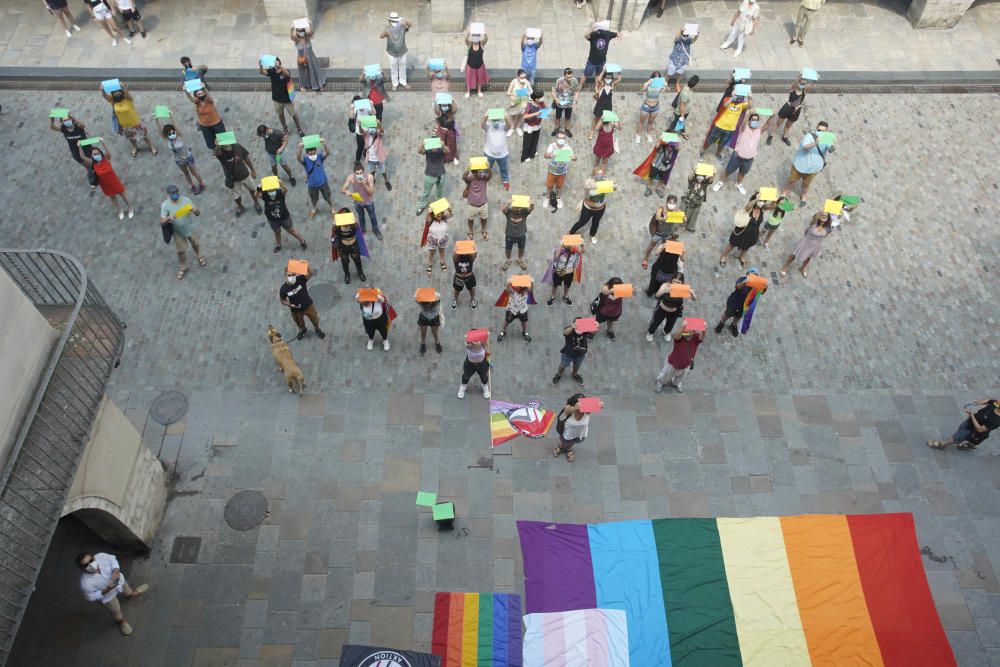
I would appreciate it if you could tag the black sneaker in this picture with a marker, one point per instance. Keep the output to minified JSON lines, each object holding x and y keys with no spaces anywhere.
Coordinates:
{"x":718,"y":327}
{"x":276,"y":250}
{"x":143,"y":33}
{"x":525,"y":336}
{"x":769,"y":139}
{"x":454,"y":305}
{"x":550,"y":301}
{"x":611,"y":335}
{"x":555,"y":379}
{"x":501,"y":336}
{"x":569,"y":133}
{"x":378,"y":235}
{"x":555,"y":132}
{"x":292,"y":180}
{"x":388,"y":186}
{"x":568,"y":301}
{"x":301,"y":335}
{"x":787,"y":142}
{"x":239,"y":211}
{"x":423,"y":348}
{"x":733,"y":330}
{"x":131,"y":34}
{"x":438,"y":348}
{"x":304,"y":245}
{"x":258,"y":208}
{"x":362,"y":277}
{"x":473,"y":305}
{"x":347,"y":278}
{"x":579,"y":379}
{"x":320,"y":334}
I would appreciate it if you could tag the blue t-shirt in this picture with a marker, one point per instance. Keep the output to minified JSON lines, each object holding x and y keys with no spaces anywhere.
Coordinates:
{"x":809,"y":161}
{"x":315,"y":174}
{"x":529,"y":57}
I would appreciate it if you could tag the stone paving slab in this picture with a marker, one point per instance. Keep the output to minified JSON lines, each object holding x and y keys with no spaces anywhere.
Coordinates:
{"x":844,"y":35}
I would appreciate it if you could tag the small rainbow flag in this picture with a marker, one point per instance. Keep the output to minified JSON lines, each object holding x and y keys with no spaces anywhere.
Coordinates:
{"x":477,"y":629}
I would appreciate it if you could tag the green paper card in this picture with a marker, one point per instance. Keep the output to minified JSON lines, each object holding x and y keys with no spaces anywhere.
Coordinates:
{"x":495,"y":114}
{"x":432,"y":143}
{"x":311,"y":141}
{"x":90,"y":141}
{"x":786,"y":206}
{"x":763,"y":113}
{"x":669,"y":137}
{"x":225,"y":138}
{"x":851,"y":200}
{"x":563,"y":155}
{"x":827,"y":138}
{"x":59,"y":113}
{"x":444,"y":511}
{"x":161,"y":111}
{"x":368,"y":121}
{"x":426,"y":499}
{"x":609,"y":117}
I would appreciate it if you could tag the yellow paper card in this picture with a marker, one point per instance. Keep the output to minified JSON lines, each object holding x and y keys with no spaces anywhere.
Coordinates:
{"x":572,"y":240}
{"x":520,"y":201}
{"x":833,"y":206}
{"x":341,"y":219}
{"x":477,"y":163}
{"x":604,"y":187}
{"x":183,"y":211}
{"x":356,"y":197}
{"x":299,"y":267}
{"x":440,"y":206}
{"x":702,"y":169}
{"x":675,"y":217}
{"x":269,"y":183}
{"x":767,"y":194}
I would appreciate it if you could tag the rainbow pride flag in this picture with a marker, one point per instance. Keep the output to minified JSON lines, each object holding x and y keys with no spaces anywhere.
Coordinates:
{"x":477,"y":629}
{"x":798,"y":590}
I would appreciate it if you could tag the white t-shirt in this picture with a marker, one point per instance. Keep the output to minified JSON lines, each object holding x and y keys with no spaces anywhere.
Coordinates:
{"x":496,"y":140}
{"x":576,"y":428}
{"x":91,"y":584}
{"x":125,"y":4}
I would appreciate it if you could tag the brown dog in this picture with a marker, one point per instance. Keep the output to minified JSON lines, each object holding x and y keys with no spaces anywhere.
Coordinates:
{"x":286,"y":364}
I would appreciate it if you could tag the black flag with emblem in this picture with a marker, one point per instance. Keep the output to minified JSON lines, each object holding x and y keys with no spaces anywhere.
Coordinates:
{"x":354,"y":655}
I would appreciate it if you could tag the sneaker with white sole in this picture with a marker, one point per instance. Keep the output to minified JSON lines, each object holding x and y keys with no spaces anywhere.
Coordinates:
{"x":461,"y":391}
{"x":125,"y":628}
{"x":69,"y":34}
{"x":678,"y":387}
{"x":667,"y":337}
{"x":593,"y":240}
{"x":558,"y":203}
{"x":649,"y":338}
{"x":128,"y":41}
{"x":718,"y":186}
{"x":659,"y":387}
{"x":743,"y":190}
{"x":510,"y":132}
{"x":76,"y":27}
{"x":486,"y":391}
{"x":649,"y":138}
{"x":114,"y":42}
{"x":520,"y":132}
{"x":371,"y":344}
{"x":121,"y":215}
{"x":385,"y":345}
{"x":638,"y":139}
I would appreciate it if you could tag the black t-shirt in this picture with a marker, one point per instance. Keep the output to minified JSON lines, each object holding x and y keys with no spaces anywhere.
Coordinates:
{"x":988,"y":419}
{"x":434,"y":162}
{"x":73,"y":136}
{"x":275,"y":209}
{"x":234,"y":162}
{"x":463,"y":263}
{"x":279,"y":86}
{"x":600,"y":40}
{"x":272,"y":142}
{"x":297,"y":294}
{"x":576,"y":344}
{"x":666,"y":263}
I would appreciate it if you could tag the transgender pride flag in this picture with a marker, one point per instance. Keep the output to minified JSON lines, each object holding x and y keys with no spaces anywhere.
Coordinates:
{"x":767,"y":591}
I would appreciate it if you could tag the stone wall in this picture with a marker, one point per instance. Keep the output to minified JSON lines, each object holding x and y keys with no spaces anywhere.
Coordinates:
{"x":937,"y":13}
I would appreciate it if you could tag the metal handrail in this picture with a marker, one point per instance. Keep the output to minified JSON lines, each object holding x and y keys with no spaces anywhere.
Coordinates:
{"x":42,"y":464}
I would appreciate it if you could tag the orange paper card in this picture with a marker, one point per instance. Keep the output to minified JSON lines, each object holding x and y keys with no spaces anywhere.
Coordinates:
{"x":299,"y":267}
{"x":673,"y":247}
{"x":521,"y":280}
{"x":477,"y":335}
{"x":756,"y":282}
{"x":572,"y":240}
{"x":465,"y":247}
{"x":586,"y":325}
{"x":367,"y":294}
{"x":694,"y":324}
{"x":426,"y":295}
{"x":623,"y":290}
{"x":590,"y":404}
{"x":679,"y":291}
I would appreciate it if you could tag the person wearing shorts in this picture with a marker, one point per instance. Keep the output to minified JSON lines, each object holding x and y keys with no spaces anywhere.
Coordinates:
{"x":789,"y":111}
{"x":313,"y":162}
{"x":183,"y":227}
{"x":515,"y":233}
{"x":279,"y":217}
{"x":743,"y":153}
{"x":101,"y":12}
{"x":573,"y":352}
{"x":131,"y":17}
{"x":131,"y":124}
{"x":281,"y":84}
{"x":555,"y":177}
{"x":725,"y":125}
{"x":808,"y":162}
{"x":600,"y":42}
{"x":476,"y":181}
{"x":680,"y":57}
{"x":436,"y":237}
{"x":475,"y":363}
{"x":275,"y":142}
{"x":516,"y":308}
{"x":563,"y":267}
{"x":464,"y":278}
{"x":429,"y":317}
{"x":238,"y":169}
{"x":565,"y":92}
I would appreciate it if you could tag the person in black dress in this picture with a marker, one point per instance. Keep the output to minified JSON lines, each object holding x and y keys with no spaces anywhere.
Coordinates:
{"x":663,"y":270}
{"x":747,"y":229}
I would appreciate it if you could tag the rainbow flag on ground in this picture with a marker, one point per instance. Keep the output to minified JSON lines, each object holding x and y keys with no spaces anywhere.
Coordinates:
{"x":509,"y":420}
{"x":797,"y":590}
{"x":477,"y":629}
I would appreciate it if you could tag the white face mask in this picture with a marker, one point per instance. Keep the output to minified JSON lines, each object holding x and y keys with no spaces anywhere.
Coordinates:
{"x":290,"y":280}
{"x":313,"y":156}
{"x":476,"y":39}
{"x":172,"y":136}
{"x":92,"y":567}
{"x":496,"y":125}
{"x":671,"y":206}
{"x":359,"y":177}
{"x":561,"y":142}
{"x":439,"y":75}
{"x":97,"y":157}
{"x":754,"y":124}
{"x":67,"y":123}
{"x":272,"y":194}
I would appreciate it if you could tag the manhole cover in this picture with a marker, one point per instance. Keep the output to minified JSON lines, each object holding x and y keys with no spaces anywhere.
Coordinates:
{"x":246,"y":510}
{"x":185,"y":550}
{"x":324,"y":295}
{"x":169,"y":407}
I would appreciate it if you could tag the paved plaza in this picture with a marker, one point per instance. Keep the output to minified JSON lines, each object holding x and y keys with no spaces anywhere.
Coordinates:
{"x":823,"y":407}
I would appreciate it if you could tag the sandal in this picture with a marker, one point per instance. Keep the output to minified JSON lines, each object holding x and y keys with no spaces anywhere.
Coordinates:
{"x":469,"y":235}
{"x":155,"y":152}
{"x":936,"y":444}
{"x":505,"y":266}
{"x":444,"y":267}
{"x":181,"y":274}
{"x":135,"y":151}
{"x":569,"y":456}
{"x":430,"y":268}
{"x":486,"y":237}
{"x":645,"y":265}
{"x":556,"y":452}
{"x":803,"y":272}
{"x":965,"y":444}
{"x":202,"y":261}
{"x":722,"y":261}
{"x":744,"y":263}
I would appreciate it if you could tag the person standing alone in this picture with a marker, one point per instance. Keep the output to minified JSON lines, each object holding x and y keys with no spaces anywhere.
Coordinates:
{"x":395,"y":47}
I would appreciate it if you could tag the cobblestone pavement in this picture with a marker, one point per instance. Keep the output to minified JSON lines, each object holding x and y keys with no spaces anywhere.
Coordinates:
{"x":845,"y":35}
{"x":823,"y":407}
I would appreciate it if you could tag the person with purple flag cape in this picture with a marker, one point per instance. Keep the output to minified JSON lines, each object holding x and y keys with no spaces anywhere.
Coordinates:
{"x":347,"y":242}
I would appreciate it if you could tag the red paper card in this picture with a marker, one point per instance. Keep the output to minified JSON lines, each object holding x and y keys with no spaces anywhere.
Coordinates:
{"x":586,"y":325}
{"x":590,"y":404}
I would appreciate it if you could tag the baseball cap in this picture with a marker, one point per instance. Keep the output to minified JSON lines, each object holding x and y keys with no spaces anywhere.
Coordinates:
{"x":172,"y":190}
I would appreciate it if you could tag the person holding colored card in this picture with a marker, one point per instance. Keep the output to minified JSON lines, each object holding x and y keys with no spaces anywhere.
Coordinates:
{"x":435,"y":154}
{"x":375,"y":89}
{"x":73,"y":130}
{"x":606,"y":145}
{"x":743,"y":24}
{"x":189,"y":72}
{"x":183,"y":157}
{"x":516,"y":230}
{"x":659,"y":164}
{"x":295,"y":295}
{"x":122,"y":102}
{"x":532,"y":125}
{"x":559,"y":154}
{"x":680,"y":54}
{"x":660,"y":229}
{"x":476,"y":197}
{"x":174,"y":211}
{"x":790,"y":110}
{"x":781,"y":207}
{"x":604,"y":93}
{"x":607,"y":307}
{"x":746,"y":231}
{"x":650,"y":107}
{"x":282,"y":89}
{"x":515,"y":301}
{"x":275,"y":143}
{"x":435,"y":236}
{"x":726,"y":122}
{"x":529,"y":54}
{"x":810,"y":245}
{"x":277,"y":214}
{"x":394,"y":35}
{"x":101,"y":12}
{"x":563,"y":269}
{"x":519,"y":90}
{"x":360,"y":187}
{"x":429,"y":317}
{"x":238,"y":169}
{"x":592,"y":208}
{"x":565,"y":92}
{"x":668,"y":262}
{"x":60,"y":10}
{"x":476,"y":75}
{"x":347,"y":243}
{"x":99,"y":161}
{"x":600,"y":41}
{"x":573,"y":352}
{"x":376,"y":154}
{"x":311,"y":75}
{"x":496,"y":126}
{"x":696,"y":195}
{"x":681,"y":358}
{"x":682,"y":107}
{"x":741,"y":159}
{"x":463,"y":259}
{"x":314,"y":164}
{"x":572,"y":425}
{"x":376,"y":315}
{"x":209,"y":121}
{"x":476,"y":361}
{"x":669,"y":307}
{"x":440,"y":78}
{"x":809,"y":160}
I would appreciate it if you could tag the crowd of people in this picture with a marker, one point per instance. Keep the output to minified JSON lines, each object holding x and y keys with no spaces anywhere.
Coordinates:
{"x":528,"y":109}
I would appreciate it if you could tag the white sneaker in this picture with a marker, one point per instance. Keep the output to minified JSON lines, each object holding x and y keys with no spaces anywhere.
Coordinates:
{"x":667,"y":337}
{"x":593,"y":240}
{"x":678,"y":388}
{"x":649,"y":338}
{"x":528,"y":159}
{"x":371,"y":344}
{"x":128,"y":41}
{"x":638,"y":139}
{"x":659,"y":387}
{"x":385,"y":345}
{"x":520,"y":132}
{"x":743,"y":190}
{"x":510,"y":132}
{"x":461,"y":391}
{"x":455,"y":160}
{"x":649,"y":138}
{"x":724,"y":46}
{"x":76,"y":27}
{"x":121,"y":215}
{"x":68,"y":33}
{"x":558,"y":203}
{"x":738,"y":52}
{"x":114,"y":42}
{"x":718,"y":186}
{"x":131,"y":214}
{"x":479,"y":94}
{"x":486,"y":391}
{"x":466,"y":94}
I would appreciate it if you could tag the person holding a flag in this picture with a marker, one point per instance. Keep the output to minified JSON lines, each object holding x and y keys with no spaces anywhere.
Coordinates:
{"x":742,"y":301}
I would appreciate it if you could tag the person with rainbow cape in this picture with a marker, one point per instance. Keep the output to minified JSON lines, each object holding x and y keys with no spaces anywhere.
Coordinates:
{"x":658,"y":165}
{"x":743,"y":302}
{"x":565,"y":268}
{"x":515,"y":299}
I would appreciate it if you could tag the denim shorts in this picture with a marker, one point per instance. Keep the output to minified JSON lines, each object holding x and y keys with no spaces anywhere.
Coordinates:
{"x":590,"y":69}
{"x":645,"y":108}
{"x":963,"y":433}
{"x":511,"y":241}
{"x":719,"y":135}
{"x":737,"y":162}
{"x":567,"y":360}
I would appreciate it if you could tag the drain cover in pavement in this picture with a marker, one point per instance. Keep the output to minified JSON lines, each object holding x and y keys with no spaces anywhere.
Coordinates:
{"x":185,"y":550}
{"x":324,"y":295}
{"x":246,"y":510}
{"x":169,"y":407}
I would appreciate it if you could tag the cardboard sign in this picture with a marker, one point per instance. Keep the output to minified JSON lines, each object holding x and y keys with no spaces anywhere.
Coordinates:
{"x":702,"y":169}
{"x":787,"y":206}
{"x":225,"y":138}
{"x":477,"y":28}
{"x":367,"y":122}
{"x":299,"y":267}
{"x":673,"y":247}
{"x":694,"y":324}
{"x":602,"y":25}
{"x":827,"y":138}
{"x":367,"y":295}
{"x":669,"y":138}
{"x":443,"y":99}
{"x":764,"y":112}
{"x":520,"y":280}
{"x":659,"y":83}
{"x":563,"y":155}
{"x":623,"y":291}
{"x":269,"y":183}
{"x":680,"y":291}
{"x":301,"y":24}
{"x":756,"y":282}
{"x":477,"y":335}
{"x":111,"y":85}
{"x":495,"y":114}
{"x":426,"y":295}
{"x":850,"y":200}
{"x":833,"y":206}
{"x":161,"y":111}
{"x":741,"y":74}
{"x":741,"y":90}
{"x":267,"y":61}
{"x":690,"y":29}
{"x":426,"y":499}
{"x":443,"y":511}
{"x":604,"y":187}
{"x":613,"y":68}
{"x":311,"y":141}
{"x":193,"y":85}
{"x":590,"y":404}
{"x":533,"y":33}
{"x":521,"y":92}
{"x":373,"y":71}
{"x":432,"y":143}
{"x":435,"y":64}
{"x":440,"y":206}
{"x":478,"y":163}
{"x":89,"y":141}
{"x":609,"y":117}
{"x":767,"y":194}
{"x":809,"y":74}
{"x":465,"y":247}
{"x":585,"y":325}
{"x":520,"y":201}
{"x":675,"y":217}
{"x":572,"y":240}
{"x":183,"y":211}
{"x":59,"y":113}
{"x":341,"y":219}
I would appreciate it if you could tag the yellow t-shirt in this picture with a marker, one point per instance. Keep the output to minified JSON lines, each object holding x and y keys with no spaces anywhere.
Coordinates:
{"x":729,"y":117}
{"x":126,"y":113}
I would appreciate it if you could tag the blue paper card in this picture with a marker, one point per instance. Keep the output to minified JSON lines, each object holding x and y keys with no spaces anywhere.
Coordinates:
{"x":362,"y":105}
{"x":741,"y":90}
{"x":612,"y":68}
{"x":809,"y":74}
{"x":443,"y":98}
{"x":267,"y":61}
{"x":372,"y":71}
{"x":544,"y":113}
{"x":192,"y":85}
{"x":111,"y":85}
{"x":521,"y":92}
{"x":659,"y":82}
{"x":435,"y":64}
{"x":741,"y":74}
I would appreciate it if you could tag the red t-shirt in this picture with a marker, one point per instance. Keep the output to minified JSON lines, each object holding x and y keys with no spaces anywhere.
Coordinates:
{"x":684,"y":351}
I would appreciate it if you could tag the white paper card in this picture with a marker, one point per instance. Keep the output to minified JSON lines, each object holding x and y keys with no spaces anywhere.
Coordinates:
{"x":534,"y":33}
{"x":477,"y":28}
{"x":691,"y":29}
{"x":301,"y":24}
